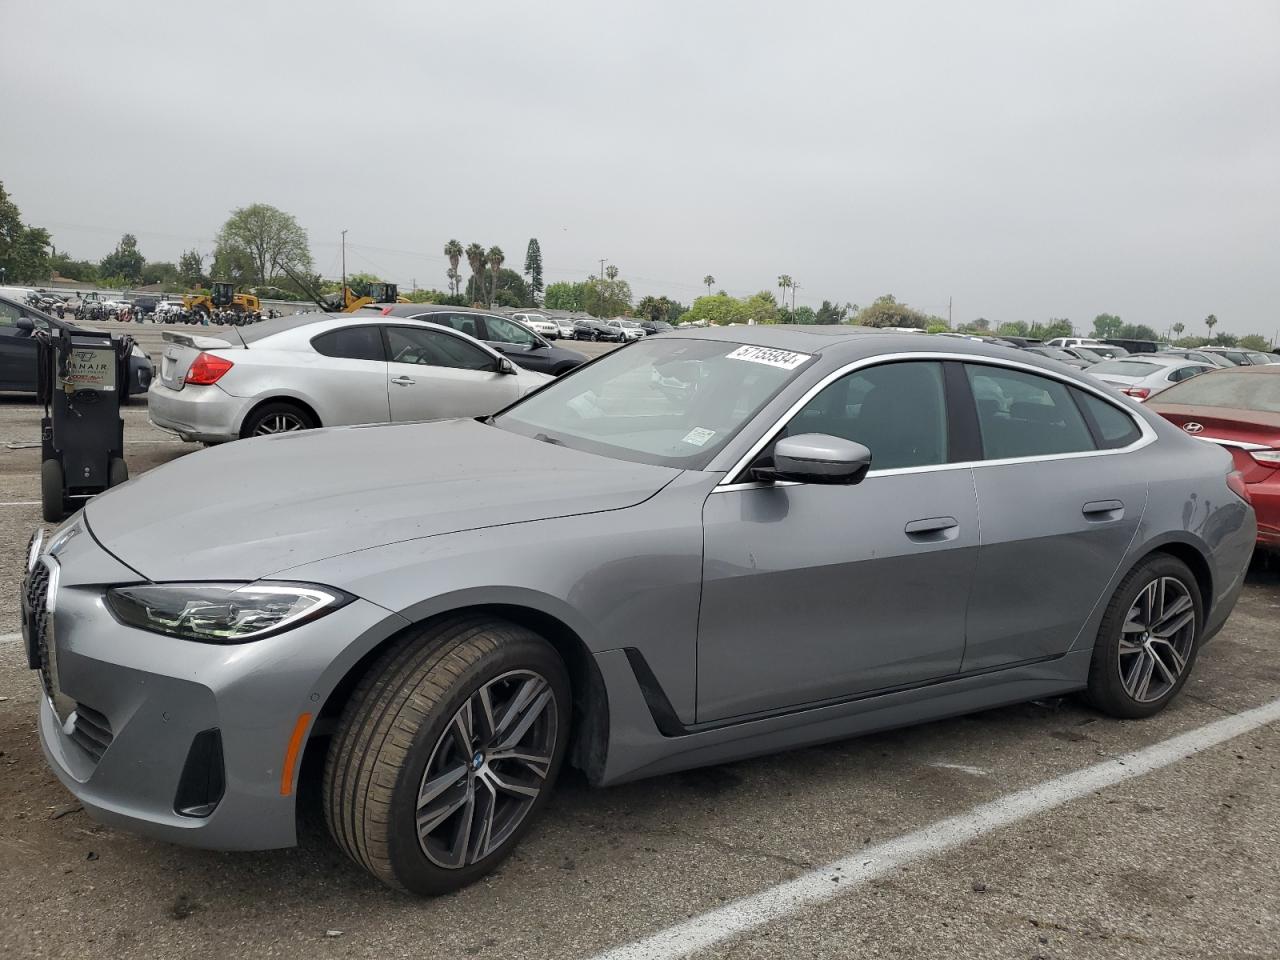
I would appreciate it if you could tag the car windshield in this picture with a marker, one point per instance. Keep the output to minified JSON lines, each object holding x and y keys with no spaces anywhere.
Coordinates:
{"x":1228,"y":388}
{"x":672,"y":403}
{"x":1052,"y":352}
{"x":1126,"y":368}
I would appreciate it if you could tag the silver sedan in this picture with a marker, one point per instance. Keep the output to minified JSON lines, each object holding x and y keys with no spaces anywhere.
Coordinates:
{"x":315,"y":369}
{"x":707,"y":546}
{"x":1144,"y":375}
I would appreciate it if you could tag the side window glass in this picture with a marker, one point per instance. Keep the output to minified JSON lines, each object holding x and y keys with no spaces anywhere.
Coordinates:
{"x":9,"y":315}
{"x":1115,"y":427}
{"x":898,"y":411}
{"x":352,"y":343}
{"x":435,"y":349}
{"x":503,"y":330}
{"x":1025,"y":415}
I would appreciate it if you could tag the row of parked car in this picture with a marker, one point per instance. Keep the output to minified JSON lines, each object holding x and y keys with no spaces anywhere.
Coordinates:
{"x":617,"y":330}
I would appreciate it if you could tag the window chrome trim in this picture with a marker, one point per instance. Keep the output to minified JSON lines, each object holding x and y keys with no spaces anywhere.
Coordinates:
{"x":1239,"y":444}
{"x":1147,"y":434}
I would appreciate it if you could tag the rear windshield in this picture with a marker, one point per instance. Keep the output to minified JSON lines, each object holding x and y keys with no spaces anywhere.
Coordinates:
{"x":267,"y":328}
{"x":1126,"y":368}
{"x":1228,"y":388}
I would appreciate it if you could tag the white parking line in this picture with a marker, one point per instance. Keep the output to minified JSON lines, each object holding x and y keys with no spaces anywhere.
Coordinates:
{"x":20,"y":503}
{"x":10,"y":637}
{"x":817,"y":886}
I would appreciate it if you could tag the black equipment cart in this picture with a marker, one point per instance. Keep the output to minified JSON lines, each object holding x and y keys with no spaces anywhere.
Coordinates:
{"x":82,"y":433}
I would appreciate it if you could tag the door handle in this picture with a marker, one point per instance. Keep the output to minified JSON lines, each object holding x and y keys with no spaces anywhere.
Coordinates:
{"x":403,"y":381}
{"x":1103,"y":510}
{"x":932,"y":529}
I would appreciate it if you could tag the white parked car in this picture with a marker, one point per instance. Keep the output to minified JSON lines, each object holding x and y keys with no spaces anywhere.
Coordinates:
{"x":324,"y":370}
{"x":1065,"y":342}
{"x":167,"y":308}
{"x":1143,"y":375}
{"x":565,"y":325}
{"x":539,"y":324}
{"x":630,"y":329}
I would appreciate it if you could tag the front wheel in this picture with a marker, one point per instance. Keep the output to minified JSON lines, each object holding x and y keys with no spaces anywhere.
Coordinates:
{"x":447,"y":752}
{"x":1148,"y":639}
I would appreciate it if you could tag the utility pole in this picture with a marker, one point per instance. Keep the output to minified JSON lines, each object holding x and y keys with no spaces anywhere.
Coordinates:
{"x":603,"y":261}
{"x":948,"y":313}
{"x":344,"y":266}
{"x":794,"y":287}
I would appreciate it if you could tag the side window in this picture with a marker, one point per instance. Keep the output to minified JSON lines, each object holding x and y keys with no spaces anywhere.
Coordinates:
{"x":467,"y":323}
{"x":504,"y":331}
{"x":1115,"y":427}
{"x":351,"y":343}
{"x":898,"y":411}
{"x":1025,"y":415}
{"x":433,"y":348}
{"x":9,"y":314}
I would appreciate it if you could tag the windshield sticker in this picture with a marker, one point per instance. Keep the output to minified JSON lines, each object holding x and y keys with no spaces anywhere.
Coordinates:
{"x":773,"y":358}
{"x":698,"y":436}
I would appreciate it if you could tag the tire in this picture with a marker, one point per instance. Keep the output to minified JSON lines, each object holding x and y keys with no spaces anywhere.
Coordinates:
{"x":403,"y":713}
{"x":277,"y":417}
{"x":1140,"y":661}
{"x":52,"y":503}
{"x":117,"y":473}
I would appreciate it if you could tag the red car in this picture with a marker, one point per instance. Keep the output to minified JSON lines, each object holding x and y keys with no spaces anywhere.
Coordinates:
{"x":1238,"y":408}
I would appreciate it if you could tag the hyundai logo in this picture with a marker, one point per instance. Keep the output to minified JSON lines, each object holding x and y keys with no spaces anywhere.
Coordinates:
{"x":1193,"y":427}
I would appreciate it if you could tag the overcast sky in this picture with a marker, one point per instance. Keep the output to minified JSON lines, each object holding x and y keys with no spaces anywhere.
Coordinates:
{"x":1028,"y":160}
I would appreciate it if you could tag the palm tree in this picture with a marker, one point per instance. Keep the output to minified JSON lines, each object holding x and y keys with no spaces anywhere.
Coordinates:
{"x":496,"y":258}
{"x":1211,"y":321}
{"x":453,"y":250}
{"x":452,"y":274}
{"x":475,"y":259}
{"x":611,"y":272}
{"x":708,"y":280}
{"x":785,"y":282}
{"x":1178,"y":328}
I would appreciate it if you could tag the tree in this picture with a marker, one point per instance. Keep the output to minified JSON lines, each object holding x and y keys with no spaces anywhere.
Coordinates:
{"x":511,"y":289}
{"x":1136,"y":331}
{"x":1178,"y":328}
{"x":261,"y":241}
{"x":162,"y":272}
{"x":565,"y":296}
{"x":62,"y":265}
{"x":830,"y":313}
{"x":604,"y":297}
{"x":708,"y":281}
{"x":453,"y":250}
{"x":24,"y":250}
{"x":886,"y":311}
{"x":1253,"y":341}
{"x":235,"y":265}
{"x":125,"y":262}
{"x":1106,"y":325}
{"x":785,"y":283}
{"x":981,"y":325}
{"x":533,"y":269}
{"x":475,"y":260}
{"x":1211,"y":321}
{"x":1052,"y":328}
{"x":191,"y":269}
{"x":611,"y":272}
{"x":496,"y":258}
{"x":1016,"y":328}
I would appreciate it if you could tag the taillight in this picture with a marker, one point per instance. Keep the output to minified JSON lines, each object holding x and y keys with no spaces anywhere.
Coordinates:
{"x":207,"y":369}
{"x":1140,"y":393}
{"x":386,"y":311}
{"x":1236,"y":484}
{"x":1268,"y":458}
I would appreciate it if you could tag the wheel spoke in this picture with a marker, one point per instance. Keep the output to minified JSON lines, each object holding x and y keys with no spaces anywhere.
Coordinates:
{"x":499,"y":782}
{"x":439,"y":784}
{"x":1178,"y":660}
{"x":539,"y":763}
{"x":1139,"y":678}
{"x":480,"y":840}
{"x":526,"y":706}
{"x":461,"y":840}
{"x":485,"y":712}
{"x":432,"y":815}
{"x":1166,"y":674}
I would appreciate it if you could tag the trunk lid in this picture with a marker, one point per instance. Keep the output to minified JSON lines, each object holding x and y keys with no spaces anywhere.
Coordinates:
{"x":1256,"y":429}
{"x":180,"y":349}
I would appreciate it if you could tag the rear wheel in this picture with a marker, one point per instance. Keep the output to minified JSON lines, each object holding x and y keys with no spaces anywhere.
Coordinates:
{"x":117,"y":473}
{"x":447,"y":752}
{"x":280,"y":417}
{"x":1148,"y":639}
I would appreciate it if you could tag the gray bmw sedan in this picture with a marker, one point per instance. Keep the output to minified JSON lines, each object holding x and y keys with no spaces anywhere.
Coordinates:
{"x":702,"y":547}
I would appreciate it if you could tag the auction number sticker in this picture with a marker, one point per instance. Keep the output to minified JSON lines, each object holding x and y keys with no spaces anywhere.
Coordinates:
{"x":698,"y":436}
{"x":773,"y":358}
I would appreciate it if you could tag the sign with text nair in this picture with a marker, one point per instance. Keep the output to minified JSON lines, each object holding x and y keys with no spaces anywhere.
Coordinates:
{"x":90,"y":370}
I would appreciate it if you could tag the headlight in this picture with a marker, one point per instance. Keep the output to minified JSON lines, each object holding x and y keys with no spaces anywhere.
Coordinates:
{"x":222,"y":612}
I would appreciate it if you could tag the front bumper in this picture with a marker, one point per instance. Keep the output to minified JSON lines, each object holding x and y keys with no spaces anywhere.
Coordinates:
{"x":133,"y":710}
{"x":201,"y":414}
{"x":141,"y":371}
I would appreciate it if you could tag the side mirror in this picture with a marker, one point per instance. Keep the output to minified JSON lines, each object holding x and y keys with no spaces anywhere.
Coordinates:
{"x":506,"y":366}
{"x":26,"y":325}
{"x":817,"y":458}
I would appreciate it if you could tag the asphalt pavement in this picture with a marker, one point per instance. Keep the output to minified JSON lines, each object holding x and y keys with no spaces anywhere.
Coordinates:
{"x":1106,"y":840}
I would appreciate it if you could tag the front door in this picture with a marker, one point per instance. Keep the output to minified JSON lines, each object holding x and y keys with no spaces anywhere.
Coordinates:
{"x":814,"y":593}
{"x":433,"y":374}
{"x":17,"y":351}
{"x":522,"y":346}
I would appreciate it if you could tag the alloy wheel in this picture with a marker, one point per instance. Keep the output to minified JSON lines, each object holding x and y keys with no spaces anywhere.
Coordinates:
{"x":1156,"y":640}
{"x":487,"y":769}
{"x":279,"y":423}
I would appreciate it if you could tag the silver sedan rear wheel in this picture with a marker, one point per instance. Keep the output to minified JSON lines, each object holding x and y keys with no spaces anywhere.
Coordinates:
{"x":1156,"y":642}
{"x":279,"y":423}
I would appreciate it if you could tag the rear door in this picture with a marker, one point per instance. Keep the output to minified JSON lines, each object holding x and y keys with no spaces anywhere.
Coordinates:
{"x":433,"y":374}
{"x":1060,"y":495}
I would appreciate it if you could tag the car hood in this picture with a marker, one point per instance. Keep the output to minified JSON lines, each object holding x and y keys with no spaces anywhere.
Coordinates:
{"x":252,"y":508}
